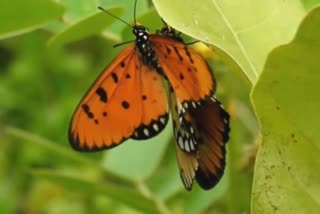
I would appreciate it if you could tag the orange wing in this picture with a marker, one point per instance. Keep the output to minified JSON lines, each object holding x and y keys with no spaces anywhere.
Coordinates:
{"x":127,"y":100}
{"x":186,"y":70}
{"x":201,"y":135}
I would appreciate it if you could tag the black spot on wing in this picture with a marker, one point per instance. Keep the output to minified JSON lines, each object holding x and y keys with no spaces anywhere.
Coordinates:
{"x":85,"y":108}
{"x":178,"y":53}
{"x":168,"y":50}
{"x":181,"y":76}
{"x":114,"y":77}
{"x":188,"y":54}
{"x":87,"y":111}
{"x":125,"y":104}
{"x":102,"y":94}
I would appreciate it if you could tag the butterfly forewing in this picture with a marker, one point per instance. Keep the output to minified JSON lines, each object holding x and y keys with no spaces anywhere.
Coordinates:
{"x":114,"y":108}
{"x":186,"y":70}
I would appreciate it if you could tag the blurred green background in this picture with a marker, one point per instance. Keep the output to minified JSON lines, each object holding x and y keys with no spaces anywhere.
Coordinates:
{"x":50,"y":53}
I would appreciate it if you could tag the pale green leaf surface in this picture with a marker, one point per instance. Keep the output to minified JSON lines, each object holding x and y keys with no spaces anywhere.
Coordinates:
{"x":247,"y":30}
{"x":17,"y":17}
{"x":138,"y":159}
{"x":287,"y":102}
{"x":84,"y":28}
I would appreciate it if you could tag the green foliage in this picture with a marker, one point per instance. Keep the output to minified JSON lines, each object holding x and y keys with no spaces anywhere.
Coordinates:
{"x":287,"y":104}
{"x":51,"y":52}
{"x":22,"y":16}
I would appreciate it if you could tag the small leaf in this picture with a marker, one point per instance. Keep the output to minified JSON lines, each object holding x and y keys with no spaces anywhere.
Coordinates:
{"x":287,"y":102}
{"x":84,"y":28}
{"x":17,"y":17}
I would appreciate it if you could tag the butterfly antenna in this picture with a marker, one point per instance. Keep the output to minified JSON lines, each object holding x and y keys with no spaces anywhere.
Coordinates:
{"x":123,"y":43}
{"x":110,"y":14}
{"x":134,"y":11}
{"x":165,"y":23}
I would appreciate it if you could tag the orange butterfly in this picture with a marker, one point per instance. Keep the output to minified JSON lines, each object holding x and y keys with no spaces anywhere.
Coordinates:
{"x":201,"y":134}
{"x":128,"y":100}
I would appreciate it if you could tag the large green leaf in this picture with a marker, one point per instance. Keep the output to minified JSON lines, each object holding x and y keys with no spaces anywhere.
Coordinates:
{"x":17,"y":16}
{"x":287,"y":102}
{"x":247,"y":30}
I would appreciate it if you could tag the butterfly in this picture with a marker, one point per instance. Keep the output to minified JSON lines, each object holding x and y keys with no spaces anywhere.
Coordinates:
{"x":201,"y":134}
{"x":129,"y":100}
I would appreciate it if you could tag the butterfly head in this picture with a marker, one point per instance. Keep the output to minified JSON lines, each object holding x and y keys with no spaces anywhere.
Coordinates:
{"x":140,"y":31}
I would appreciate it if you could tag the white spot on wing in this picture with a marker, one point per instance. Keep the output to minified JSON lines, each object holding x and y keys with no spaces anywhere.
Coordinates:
{"x":191,"y":145}
{"x":155,"y":127}
{"x":191,"y":130}
{"x":186,"y":145}
{"x":146,"y":132}
{"x":163,"y":120}
{"x":180,"y":142}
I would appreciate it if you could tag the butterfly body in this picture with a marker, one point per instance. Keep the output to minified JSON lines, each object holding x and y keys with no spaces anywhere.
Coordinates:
{"x":144,"y":47}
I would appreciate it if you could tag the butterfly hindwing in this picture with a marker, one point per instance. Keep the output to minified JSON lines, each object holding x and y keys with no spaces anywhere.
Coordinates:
{"x":113,"y":108}
{"x":154,"y":104}
{"x":213,"y":125}
{"x":210,"y":129}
